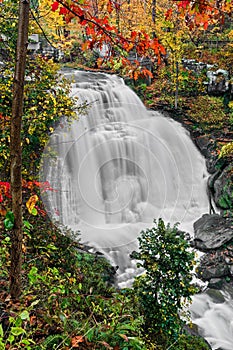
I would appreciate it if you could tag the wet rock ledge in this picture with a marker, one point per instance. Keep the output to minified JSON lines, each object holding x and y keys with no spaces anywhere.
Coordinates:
{"x":213,"y":235}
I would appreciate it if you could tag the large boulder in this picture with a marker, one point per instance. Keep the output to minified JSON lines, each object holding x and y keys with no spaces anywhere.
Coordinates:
{"x":212,"y":231}
{"x":209,"y":270}
{"x":205,"y":145}
{"x":216,"y":266}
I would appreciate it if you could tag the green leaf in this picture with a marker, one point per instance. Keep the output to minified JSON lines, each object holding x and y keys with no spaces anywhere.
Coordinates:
{"x":90,"y":334}
{"x":27,"y":224}
{"x":17,"y":331}
{"x":8,"y":224}
{"x":10,"y":216}
{"x":1,"y":331}
{"x":9,"y":220}
{"x":62,"y":317}
{"x":32,"y":275}
{"x":27,"y":342}
{"x":17,"y":322}
{"x":34,"y":211}
{"x":24,"y":315}
{"x":11,"y":338}
{"x":52,"y":247}
{"x":35,"y":302}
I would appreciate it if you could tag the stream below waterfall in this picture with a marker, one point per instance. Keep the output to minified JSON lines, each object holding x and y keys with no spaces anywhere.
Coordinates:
{"x":119,"y":167}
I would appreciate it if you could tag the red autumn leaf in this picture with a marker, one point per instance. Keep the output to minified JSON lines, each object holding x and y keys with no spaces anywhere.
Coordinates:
{"x":40,"y":211}
{"x":90,"y":30}
{"x":63,"y":11}
{"x":108,"y":27}
{"x":105,"y":20}
{"x":147,"y":73}
{"x":109,"y":6}
{"x":37,"y":183}
{"x":135,"y":75}
{"x":83,"y":22}
{"x":168,"y":14}
{"x":184,"y":3}
{"x":159,"y":60}
{"x":77,"y":10}
{"x":125,"y":61}
{"x":205,"y":25}
{"x":5,"y":189}
{"x":68,"y":17}
{"x":133,"y":35}
{"x":55,"y":6}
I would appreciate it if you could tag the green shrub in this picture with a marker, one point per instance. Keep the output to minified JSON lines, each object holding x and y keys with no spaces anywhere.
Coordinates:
{"x":166,"y":284}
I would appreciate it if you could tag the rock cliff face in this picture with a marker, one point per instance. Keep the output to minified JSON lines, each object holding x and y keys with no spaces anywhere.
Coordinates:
{"x":213,"y":233}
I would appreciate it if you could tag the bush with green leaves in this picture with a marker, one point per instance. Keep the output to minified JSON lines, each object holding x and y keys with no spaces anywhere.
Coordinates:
{"x":165,"y":286}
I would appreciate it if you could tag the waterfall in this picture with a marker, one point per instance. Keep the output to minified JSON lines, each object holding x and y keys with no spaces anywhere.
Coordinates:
{"x":119,"y":167}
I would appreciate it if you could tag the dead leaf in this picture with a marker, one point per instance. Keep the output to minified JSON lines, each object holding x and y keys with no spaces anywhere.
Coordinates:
{"x":76,"y":340}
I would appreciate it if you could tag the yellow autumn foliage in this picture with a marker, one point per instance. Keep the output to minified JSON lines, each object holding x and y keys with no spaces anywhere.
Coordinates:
{"x":49,"y":22}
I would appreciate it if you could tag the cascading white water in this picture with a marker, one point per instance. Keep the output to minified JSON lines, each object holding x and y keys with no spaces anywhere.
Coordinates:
{"x":118,"y":168}
{"x":214,"y":319}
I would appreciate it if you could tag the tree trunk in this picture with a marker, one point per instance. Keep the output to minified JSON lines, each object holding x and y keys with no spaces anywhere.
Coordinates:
{"x":154,"y":11}
{"x":153,"y":15}
{"x":16,"y":149}
{"x":177,"y":85}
